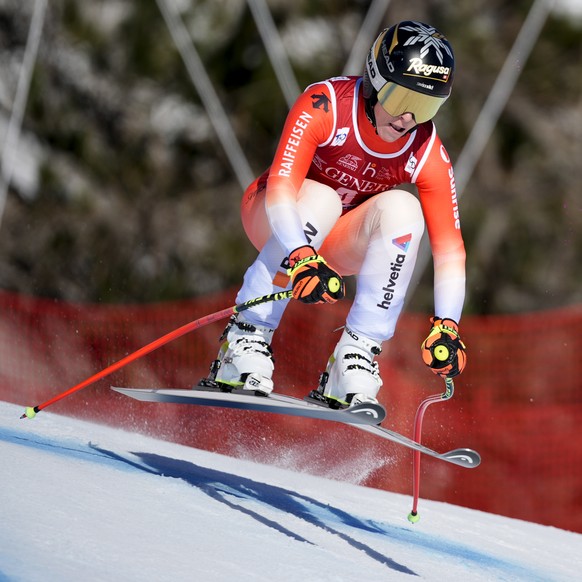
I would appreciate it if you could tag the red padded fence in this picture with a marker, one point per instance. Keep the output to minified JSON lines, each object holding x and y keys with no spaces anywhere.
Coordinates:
{"x":519,"y":402}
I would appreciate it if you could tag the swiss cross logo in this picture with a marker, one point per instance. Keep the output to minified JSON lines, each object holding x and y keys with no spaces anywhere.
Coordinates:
{"x":402,"y":242}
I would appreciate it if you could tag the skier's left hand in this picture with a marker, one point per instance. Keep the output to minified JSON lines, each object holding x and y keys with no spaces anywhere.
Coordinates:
{"x":313,"y":281}
{"x":443,"y":351}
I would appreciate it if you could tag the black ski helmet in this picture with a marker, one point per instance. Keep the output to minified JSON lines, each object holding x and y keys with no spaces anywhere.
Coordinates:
{"x":409,"y":68}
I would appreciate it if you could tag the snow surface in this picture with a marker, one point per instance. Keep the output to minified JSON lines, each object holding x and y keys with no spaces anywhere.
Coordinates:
{"x":81,"y":501}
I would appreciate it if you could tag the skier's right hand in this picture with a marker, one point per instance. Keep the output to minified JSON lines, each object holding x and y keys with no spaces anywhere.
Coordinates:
{"x":312,"y":279}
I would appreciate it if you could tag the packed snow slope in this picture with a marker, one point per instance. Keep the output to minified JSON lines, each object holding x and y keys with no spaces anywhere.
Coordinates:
{"x":81,"y":501}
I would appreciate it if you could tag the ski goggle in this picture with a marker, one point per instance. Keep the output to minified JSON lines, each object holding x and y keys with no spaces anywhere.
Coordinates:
{"x":397,"y":100}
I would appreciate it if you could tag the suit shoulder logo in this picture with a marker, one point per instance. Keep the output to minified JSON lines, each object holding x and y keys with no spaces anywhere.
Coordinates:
{"x":320,"y":101}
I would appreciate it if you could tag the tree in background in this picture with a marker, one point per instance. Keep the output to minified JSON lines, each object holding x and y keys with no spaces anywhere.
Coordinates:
{"x":124,"y":194}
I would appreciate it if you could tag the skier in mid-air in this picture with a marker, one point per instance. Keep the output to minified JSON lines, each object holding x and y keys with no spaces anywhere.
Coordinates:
{"x":328,"y":207}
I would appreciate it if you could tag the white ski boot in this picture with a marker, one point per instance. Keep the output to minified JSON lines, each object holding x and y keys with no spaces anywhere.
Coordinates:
{"x":245,"y":359}
{"x":351,"y":377}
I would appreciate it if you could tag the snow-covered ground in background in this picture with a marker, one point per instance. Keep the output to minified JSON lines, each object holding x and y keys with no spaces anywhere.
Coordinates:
{"x":80,"y":501}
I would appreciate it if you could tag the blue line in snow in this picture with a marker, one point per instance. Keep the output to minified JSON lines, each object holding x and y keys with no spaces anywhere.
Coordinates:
{"x":234,"y":491}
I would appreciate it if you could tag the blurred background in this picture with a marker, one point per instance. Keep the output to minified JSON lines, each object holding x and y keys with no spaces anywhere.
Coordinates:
{"x":122,"y":190}
{"x":129,"y":130}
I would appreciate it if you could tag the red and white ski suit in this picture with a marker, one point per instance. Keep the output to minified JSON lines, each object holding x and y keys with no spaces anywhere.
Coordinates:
{"x":332,"y":184}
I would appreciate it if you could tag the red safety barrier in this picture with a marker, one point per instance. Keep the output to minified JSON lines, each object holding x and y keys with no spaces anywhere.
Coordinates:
{"x":519,"y":402}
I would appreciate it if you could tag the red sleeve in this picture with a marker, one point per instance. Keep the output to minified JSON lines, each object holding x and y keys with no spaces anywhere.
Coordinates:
{"x":438,"y":196}
{"x":309,"y":124}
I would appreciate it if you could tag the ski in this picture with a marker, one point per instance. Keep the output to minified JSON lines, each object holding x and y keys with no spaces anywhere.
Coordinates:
{"x":359,"y":415}
{"x":365,"y":417}
{"x":467,"y":458}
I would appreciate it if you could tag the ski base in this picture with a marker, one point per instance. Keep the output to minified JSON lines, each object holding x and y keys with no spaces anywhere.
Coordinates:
{"x":361,"y":414}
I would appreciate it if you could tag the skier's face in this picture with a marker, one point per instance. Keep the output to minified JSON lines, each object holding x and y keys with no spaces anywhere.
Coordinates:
{"x":391,"y":128}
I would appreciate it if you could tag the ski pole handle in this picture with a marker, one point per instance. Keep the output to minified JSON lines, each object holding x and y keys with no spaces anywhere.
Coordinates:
{"x":31,"y":411}
{"x":259,"y":300}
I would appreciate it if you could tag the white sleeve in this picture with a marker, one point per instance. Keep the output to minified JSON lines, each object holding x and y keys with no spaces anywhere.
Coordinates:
{"x":449,"y":287}
{"x":286,"y":225}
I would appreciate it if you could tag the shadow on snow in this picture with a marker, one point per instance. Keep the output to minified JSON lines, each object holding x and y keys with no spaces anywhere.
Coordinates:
{"x":245,"y":495}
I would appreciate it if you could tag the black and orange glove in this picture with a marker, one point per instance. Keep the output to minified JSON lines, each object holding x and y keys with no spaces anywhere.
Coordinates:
{"x":443,"y":351}
{"x":313,"y":281}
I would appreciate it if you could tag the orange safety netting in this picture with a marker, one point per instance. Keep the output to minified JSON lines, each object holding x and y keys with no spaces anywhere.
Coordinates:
{"x":519,"y":402}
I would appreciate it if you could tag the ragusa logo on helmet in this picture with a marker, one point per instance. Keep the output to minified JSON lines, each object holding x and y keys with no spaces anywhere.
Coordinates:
{"x":418,"y":67}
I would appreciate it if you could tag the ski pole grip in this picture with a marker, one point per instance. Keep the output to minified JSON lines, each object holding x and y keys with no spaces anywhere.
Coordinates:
{"x":264,"y":299}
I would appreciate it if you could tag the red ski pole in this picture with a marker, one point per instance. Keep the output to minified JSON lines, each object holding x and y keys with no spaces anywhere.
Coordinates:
{"x":413,"y":516}
{"x":31,"y":411}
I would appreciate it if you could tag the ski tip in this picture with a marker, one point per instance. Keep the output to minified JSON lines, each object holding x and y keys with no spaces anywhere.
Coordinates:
{"x":464,"y":457}
{"x":376,"y":412}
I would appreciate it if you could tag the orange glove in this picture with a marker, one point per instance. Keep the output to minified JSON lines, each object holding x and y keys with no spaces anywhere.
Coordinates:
{"x":443,"y":351}
{"x":313,"y":281}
